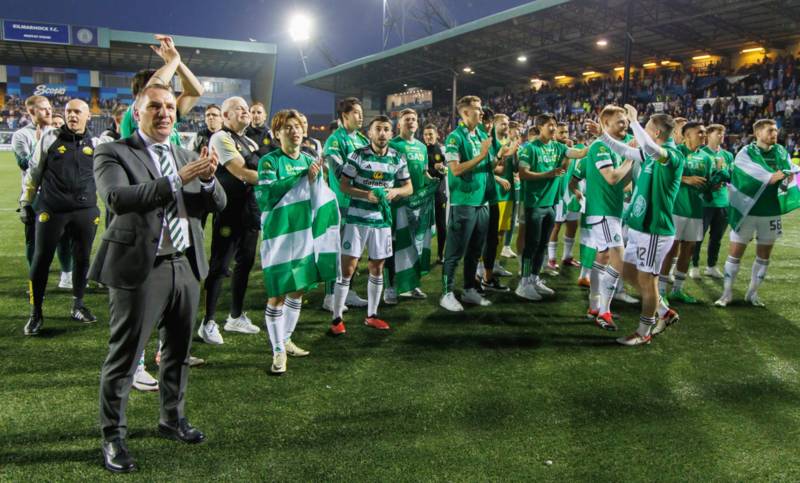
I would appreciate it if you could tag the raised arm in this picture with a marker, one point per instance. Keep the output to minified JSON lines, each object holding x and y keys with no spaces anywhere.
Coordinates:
{"x":172,"y":60}
{"x":622,"y":149}
{"x":648,"y":145}
{"x":192,"y":90}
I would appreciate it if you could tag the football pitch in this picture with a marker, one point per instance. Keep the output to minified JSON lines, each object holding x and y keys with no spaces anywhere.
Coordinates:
{"x":515,"y":391}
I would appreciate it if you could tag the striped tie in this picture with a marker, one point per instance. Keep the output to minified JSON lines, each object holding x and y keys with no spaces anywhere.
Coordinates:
{"x":177,"y":234}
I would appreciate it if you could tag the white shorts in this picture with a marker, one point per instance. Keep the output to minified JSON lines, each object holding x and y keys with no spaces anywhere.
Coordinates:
{"x":647,"y":251}
{"x":688,"y":229}
{"x":378,"y":241}
{"x":606,"y":232}
{"x":586,"y":238}
{"x":563,"y":214}
{"x":767,"y":230}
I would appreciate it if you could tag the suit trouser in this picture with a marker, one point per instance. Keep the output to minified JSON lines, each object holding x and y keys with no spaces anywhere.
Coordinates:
{"x":63,"y":249}
{"x":230,"y":240}
{"x":717,"y":220}
{"x":168,"y":299}
{"x":539,"y":223}
{"x":79,"y":227}
{"x":466,"y":236}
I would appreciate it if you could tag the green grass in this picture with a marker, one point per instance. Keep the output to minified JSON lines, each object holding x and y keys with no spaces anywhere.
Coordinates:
{"x":488,"y":395}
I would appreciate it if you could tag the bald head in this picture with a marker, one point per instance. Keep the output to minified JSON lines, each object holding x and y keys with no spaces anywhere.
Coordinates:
{"x":76,"y":115}
{"x":236,"y":114}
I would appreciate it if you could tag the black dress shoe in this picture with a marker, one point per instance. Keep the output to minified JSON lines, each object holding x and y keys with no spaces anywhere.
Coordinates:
{"x":116,"y":457}
{"x":34,"y":324}
{"x":183,"y":431}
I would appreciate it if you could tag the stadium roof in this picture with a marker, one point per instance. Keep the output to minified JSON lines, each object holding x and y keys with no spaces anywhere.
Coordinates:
{"x":125,"y":51}
{"x":558,"y":37}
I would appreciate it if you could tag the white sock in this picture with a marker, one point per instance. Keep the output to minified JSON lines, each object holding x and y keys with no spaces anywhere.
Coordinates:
{"x":731,"y":270}
{"x":568,"y":244}
{"x":273,"y":317}
{"x":662,"y":308}
{"x":584,"y":272}
{"x":608,"y":284}
{"x":374,"y":289}
{"x":291,"y":313}
{"x":663,"y":281}
{"x":680,"y":277}
{"x":645,"y":325}
{"x":595,"y":276}
{"x":140,"y":367}
{"x":620,"y":286}
{"x":594,"y":302}
{"x":760,"y":266}
{"x":340,"y":290}
{"x":552,"y":248}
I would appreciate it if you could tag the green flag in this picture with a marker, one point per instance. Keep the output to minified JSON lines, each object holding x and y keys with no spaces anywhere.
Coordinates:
{"x":301,"y":239}
{"x":412,"y":244}
{"x":749,"y":178}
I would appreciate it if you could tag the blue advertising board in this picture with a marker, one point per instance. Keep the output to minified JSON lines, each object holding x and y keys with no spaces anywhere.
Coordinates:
{"x":24,"y":31}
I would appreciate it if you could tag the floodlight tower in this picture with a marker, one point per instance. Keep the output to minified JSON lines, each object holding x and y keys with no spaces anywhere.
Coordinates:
{"x":300,"y":33}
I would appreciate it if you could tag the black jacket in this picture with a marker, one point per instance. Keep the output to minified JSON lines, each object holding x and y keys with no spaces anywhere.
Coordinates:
{"x":66,"y":181}
{"x":263,"y":137}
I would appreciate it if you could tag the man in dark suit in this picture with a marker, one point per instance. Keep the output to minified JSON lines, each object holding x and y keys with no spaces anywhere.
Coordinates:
{"x":152,"y":259}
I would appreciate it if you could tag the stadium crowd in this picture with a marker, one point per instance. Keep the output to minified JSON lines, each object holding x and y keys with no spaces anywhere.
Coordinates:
{"x":644,"y":197}
{"x":673,"y":90}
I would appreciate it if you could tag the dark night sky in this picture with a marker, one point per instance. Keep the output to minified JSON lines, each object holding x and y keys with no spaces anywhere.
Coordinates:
{"x":347,"y":28}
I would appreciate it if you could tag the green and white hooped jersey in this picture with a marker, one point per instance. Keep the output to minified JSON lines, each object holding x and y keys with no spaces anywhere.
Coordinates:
{"x":370,"y":171}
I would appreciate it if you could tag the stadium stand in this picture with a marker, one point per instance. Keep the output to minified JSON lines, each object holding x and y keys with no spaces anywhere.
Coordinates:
{"x":766,"y":89}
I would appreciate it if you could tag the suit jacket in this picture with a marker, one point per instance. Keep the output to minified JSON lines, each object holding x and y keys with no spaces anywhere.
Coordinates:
{"x":132,"y":189}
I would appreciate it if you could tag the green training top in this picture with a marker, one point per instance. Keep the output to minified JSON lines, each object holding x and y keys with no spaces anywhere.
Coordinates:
{"x":337,"y":148}
{"x":471,"y":188}
{"x":603,"y":199}
{"x":689,"y":203}
{"x":722,"y":162}
{"x":415,"y":154}
{"x":277,"y":174}
{"x":539,"y":157}
{"x":654,"y":196}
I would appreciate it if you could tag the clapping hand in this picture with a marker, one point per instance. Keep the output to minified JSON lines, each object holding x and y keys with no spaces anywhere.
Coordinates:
{"x":166,"y":50}
{"x":203,"y":167}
